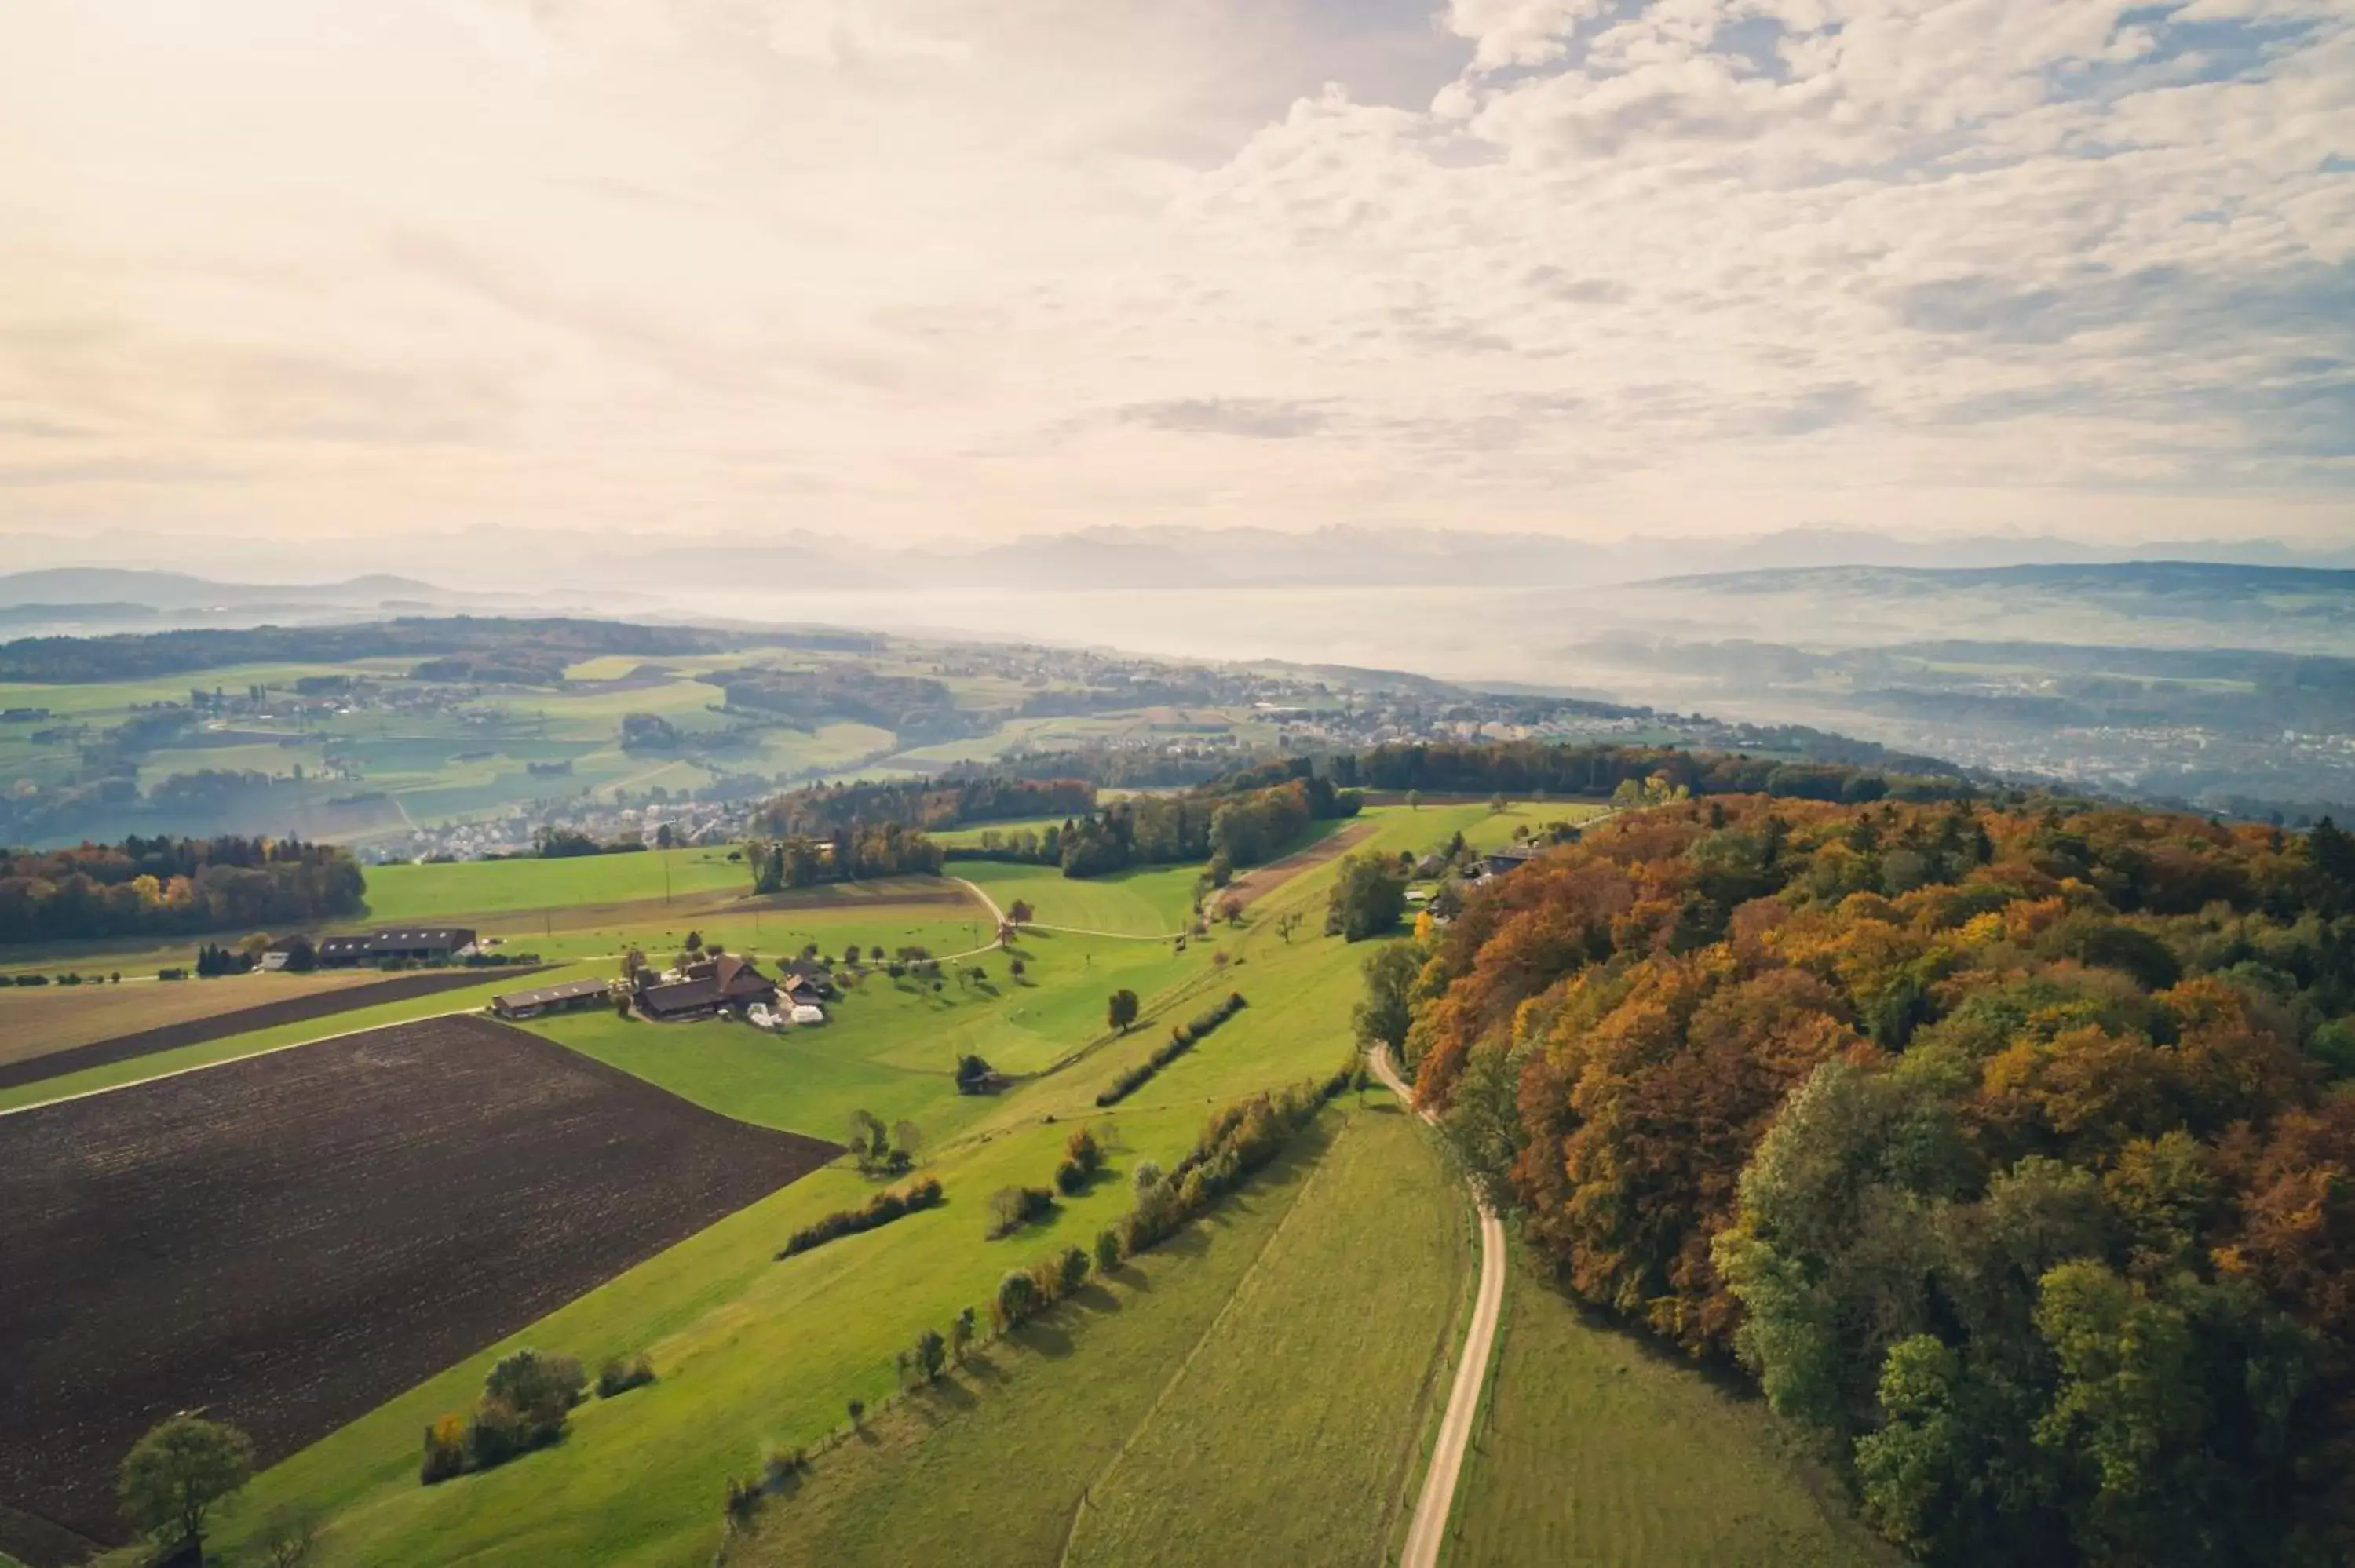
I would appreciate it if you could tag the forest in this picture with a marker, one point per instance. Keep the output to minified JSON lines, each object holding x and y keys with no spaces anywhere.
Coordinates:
{"x":532,"y":644}
{"x":925,"y":802}
{"x":2007,"y":1148}
{"x":171,"y":886}
{"x":1525,"y":767}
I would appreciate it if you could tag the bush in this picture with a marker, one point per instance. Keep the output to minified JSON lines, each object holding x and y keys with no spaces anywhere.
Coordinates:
{"x":1015,"y":1301}
{"x":1011,"y":1208}
{"x":620,"y":1376}
{"x":525,"y":1402}
{"x":1182,"y":1039}
{"x":881,"y":1210}
{"x":32,"y":980}
{"x":445,"y":1450}
{"x":1073,"y":1265}
{"x":171,"y":974}
{"x":1107,"y":1251}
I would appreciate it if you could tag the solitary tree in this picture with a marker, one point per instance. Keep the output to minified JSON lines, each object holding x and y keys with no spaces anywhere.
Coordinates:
{"x":1019,"y":913}
{"x":1414,"y":800}
{"x":1121,"y":1011}
{"x":858,"y":1409}
{"x":176,"y":1476}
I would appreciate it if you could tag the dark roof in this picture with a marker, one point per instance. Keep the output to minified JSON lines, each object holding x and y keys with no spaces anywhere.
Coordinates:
{"x":423,"y":935}
{"x":393,"y":938}
{"x":547,"y":993}
{"x":680,"y":996}
{"x":730,"y":979}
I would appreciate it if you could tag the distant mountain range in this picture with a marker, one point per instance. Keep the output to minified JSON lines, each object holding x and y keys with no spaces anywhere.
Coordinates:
{"x":114,"y":588}
{"x":2210,"y":579}
{"x":556,"y":563}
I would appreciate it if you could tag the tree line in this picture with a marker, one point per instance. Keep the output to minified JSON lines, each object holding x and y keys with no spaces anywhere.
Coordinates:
{"x":164,"y":886}
{"x":927,"y":803}
{"x":844,"y":856}
{"x":1228,"y":829}
{"x":2008,"y":1150}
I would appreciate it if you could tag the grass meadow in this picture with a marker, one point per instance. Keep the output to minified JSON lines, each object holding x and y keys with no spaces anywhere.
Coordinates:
{"x":1293,"y":1420}
{"x":1597,"y":1448}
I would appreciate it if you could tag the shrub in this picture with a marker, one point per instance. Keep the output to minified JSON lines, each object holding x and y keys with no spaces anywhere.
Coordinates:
{"x":171,"y":974}
{"x":1107,"y":1251}
{"x":930,"y":1357}
{"x":1011,"y":1208}
{"x":1073,"y":1265}
{"x":32,"y":980}
{"x":446,"y":1449}
{"x":620,"y":1375}
{"x":525,"y":1402}
{"x":961,"y":1333}
{"x":743,"y":1503}
{"x":879,"y":1210}
{"x":1016,"y":1299}
{"x":780,"y":1466}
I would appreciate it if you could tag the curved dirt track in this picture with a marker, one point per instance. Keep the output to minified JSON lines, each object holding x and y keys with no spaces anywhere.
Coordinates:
{"x":1437,"y":1498}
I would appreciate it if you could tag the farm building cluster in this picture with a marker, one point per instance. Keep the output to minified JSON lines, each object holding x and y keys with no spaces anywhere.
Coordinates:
{"x":703,"y":987}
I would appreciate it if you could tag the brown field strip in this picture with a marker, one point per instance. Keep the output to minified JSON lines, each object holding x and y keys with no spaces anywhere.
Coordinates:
{"x":286,"y":1241}
{"x":35,"y":1022}
{"x":1260,"y":881}
{"x":28,"y":1069}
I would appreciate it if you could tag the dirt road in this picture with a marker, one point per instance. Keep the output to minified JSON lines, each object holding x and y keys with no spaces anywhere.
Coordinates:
{"x":1428,"y":1528}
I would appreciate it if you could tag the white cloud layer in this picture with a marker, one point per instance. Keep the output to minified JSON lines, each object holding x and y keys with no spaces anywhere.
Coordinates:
{"x":909,"y":268}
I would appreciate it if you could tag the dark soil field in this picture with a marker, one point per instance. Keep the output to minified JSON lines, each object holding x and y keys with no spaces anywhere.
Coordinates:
{"x":267,"y":1015}
{"x":286,"y":1241}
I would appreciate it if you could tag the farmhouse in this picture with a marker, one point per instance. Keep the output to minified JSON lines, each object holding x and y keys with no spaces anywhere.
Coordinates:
{"x":424,"y":945}
{"x":1512,"y":857}
{"x":570,"y":997}
{"x":704,"y":987}
{"x":814,"y":981}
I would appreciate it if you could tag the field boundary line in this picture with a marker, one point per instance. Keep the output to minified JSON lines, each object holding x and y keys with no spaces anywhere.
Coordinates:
{"x":1428,"y":1531}
{"x":225,"y":1060}
{"x":1063,"y":1558}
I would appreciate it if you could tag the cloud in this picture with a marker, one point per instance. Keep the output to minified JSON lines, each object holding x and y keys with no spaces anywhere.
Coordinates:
{"x":1264,"y":419}
{"x":908,"y":267}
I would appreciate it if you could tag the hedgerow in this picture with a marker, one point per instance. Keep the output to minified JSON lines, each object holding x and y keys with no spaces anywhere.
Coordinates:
{"x":1182,"y":1039}
{"x":879,"y":1210}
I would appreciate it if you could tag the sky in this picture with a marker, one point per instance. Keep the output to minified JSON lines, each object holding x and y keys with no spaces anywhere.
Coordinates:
{"x":965,"y":270}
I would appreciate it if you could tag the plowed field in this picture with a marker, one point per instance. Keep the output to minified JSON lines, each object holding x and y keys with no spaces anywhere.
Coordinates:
{"x":284,"y":1243}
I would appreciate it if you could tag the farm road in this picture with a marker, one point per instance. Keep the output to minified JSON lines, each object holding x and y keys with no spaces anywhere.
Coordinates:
{"x":1429,"y":1528}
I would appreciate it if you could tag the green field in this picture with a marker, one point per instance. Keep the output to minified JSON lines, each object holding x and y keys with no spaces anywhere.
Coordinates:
{"x":1258,"y":1380}
{"x":1294,"y":1422}
{"x":1150,"y":901}
{"x":1597,"y":1448}
{"x":400,"y":893}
